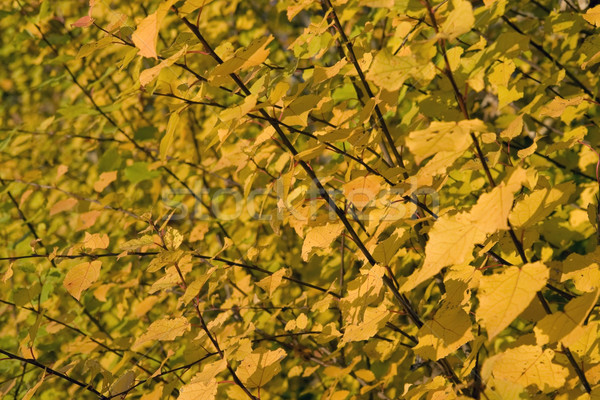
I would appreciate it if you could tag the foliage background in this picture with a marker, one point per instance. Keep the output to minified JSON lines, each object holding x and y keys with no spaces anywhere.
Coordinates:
{"x":454,"y":253}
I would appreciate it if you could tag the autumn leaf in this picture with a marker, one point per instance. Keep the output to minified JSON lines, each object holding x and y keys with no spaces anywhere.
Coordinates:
{"x":63,"y":205}
{"x":592,"y":15}
{"x":558,"y":326}
{"x":81,"y":277}
{"x":260,"y":366}
{"x":451,"y":241}
{"x":148,"y":75}
{"x":506,"y":294}
{"x":362,"y":191}
{"x":449,"y":329}
{"x":164,"y":330}
{"x":146,"y":33}
{"x":320,"y":237}
{"x":459,"y":21}
{"x":530,"y":365}
{"x":105,"y":179}
{"x":96,"y":241}
{"x":198,"y":390}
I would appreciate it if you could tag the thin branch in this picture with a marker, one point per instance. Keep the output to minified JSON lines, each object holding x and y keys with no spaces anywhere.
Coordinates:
{"x":54,"y":372}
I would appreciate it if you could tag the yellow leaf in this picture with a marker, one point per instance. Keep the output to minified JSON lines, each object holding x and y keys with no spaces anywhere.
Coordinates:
{"x":149,"y":74}
{"x":362,"y":191}
{"x":198,"y":390}
{"x":593,"y":16}
{"x":260,"y":367}
{"x":173,"y":238}
{"x":540,"y":203}
{"x":167,"y":141}
{"x":514,"y":128}
{"x":272,"y":282}
{"x":373,"y":319}
{"x":557,"y":106}
{"x":388,"y":248}
{"x":194,"y":288}
{"x":164,"y":329}
{"x":390,"y":71}
{"x":529,"y":365}
{"x":320,"y":237}
{"x":192,"y":5}
{"x":443,"y":137}
{"x":105,"y":179}
{"x":96,"y":241}
{"x":63,"y":205}
{"x":81,"y":277}
{"x":583,"y":270}
{"x":255,"y":54}
{"x":584,"y":341}
{"x":301,"y":321}
{"x":239,"y":111}
{"x":492,"y":209}
{"x":459,"y":21}
{"x":146,"y":33}
{"x":451,"y":241}
{"x":449,"y":329}
{"x":506,"y":295}
{"x":323,"y":73}
{"x":559,"y":325}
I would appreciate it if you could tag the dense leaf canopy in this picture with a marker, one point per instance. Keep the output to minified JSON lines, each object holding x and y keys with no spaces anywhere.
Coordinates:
{"x":299,"y":199}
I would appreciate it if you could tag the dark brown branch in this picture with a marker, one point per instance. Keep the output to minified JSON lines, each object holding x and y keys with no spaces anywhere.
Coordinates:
{"x":54,"y":372}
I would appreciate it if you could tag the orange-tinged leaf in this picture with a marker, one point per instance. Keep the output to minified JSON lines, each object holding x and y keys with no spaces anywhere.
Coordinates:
{"x":593,"y":16}
{"x":63,"y":205}
{"x":81,"y":277}
{"x":145,"y":36}
{"x":96,"y":241}
{"x":449,"y":329}
{"x":362,"y":191}
{"x":558,"y":326}
{"x":259,"y":367}
{"x":530,"y":365}
{"x":164,"y":329}
{"x":105,"y":179}
{"x":507,"y":294}
{"x":83,"y":22}
{"x":146,"y":33}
